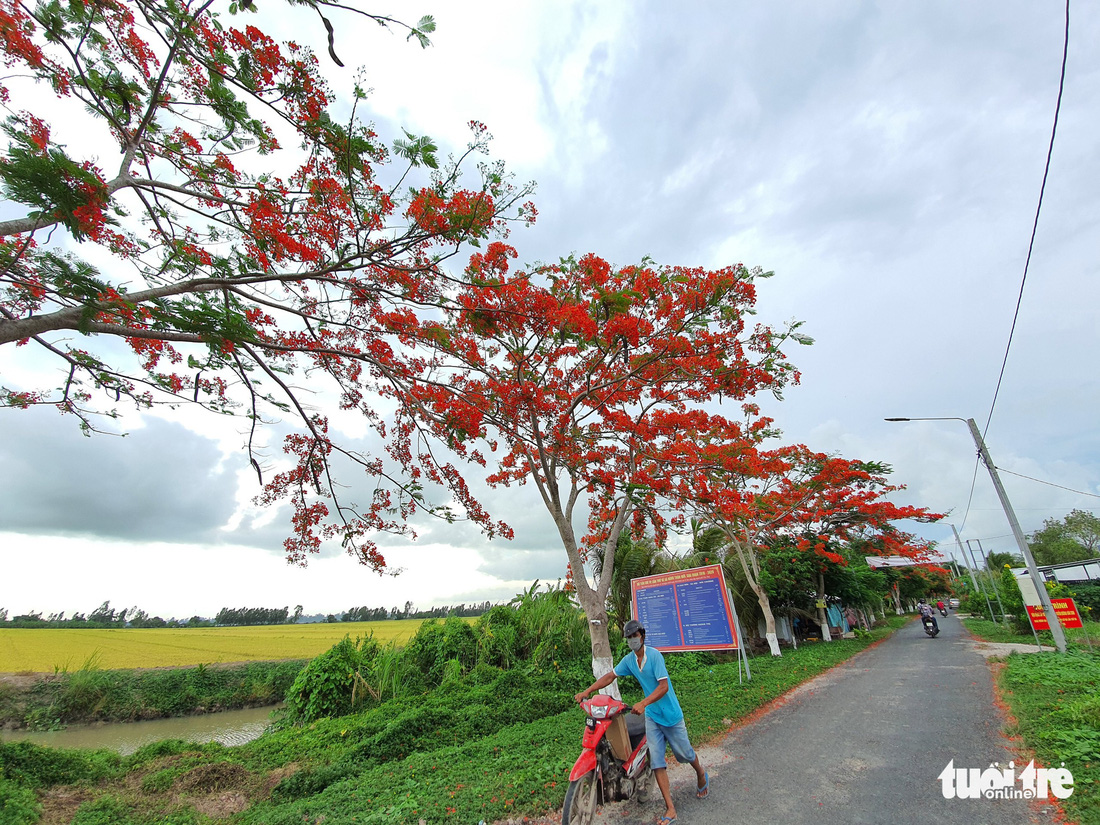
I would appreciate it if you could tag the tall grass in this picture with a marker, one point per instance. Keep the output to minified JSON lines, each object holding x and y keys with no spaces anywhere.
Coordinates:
{"x":90,"y":694}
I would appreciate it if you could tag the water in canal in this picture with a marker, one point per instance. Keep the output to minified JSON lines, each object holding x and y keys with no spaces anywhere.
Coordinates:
{"x":230,"y":727}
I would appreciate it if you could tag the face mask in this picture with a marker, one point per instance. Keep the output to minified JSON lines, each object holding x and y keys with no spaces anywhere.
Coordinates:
{"x":635,"y":643}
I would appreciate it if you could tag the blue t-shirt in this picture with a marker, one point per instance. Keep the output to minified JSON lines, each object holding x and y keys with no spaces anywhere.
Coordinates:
{"x":666,"y":710}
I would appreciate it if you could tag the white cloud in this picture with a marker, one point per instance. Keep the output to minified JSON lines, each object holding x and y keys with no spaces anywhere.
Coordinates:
{"x":885,"y":161}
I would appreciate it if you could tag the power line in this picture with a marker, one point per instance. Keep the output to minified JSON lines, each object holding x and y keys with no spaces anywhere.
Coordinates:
{"x":1048,"y":483}
{"x":1035,"y":225}
{"x":970,"y":499}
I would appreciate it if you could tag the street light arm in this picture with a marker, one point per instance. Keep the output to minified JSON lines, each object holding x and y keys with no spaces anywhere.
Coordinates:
{"x":1021,"y":542}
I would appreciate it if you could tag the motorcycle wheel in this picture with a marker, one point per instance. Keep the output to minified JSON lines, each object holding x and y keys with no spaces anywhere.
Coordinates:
{"x":580,"y":801}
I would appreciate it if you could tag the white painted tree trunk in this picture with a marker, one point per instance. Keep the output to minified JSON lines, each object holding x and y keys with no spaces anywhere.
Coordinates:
{"x":773,"y":644}
{"x":599,"y":668}
{"x":752,"y":575}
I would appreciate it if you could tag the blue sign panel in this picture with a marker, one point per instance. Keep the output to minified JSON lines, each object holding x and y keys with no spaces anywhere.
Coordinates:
{"x":685,"y":610}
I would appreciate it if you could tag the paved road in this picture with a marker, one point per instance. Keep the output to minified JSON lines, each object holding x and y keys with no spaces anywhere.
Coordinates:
{"x":863,"y":743}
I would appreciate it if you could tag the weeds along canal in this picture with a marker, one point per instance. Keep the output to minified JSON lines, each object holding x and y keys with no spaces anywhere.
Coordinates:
{"x":229,"y":727}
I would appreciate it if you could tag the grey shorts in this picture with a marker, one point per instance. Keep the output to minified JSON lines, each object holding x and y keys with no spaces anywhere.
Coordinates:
{"x":675,"y":736}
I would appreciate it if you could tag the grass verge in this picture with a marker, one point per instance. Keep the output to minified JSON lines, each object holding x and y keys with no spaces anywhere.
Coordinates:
{"x":464,"y":754}
{"x":1055,"y":700}
{"x":1083,"y":638}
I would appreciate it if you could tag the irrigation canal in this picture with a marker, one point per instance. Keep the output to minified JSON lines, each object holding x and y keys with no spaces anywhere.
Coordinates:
{"x":230,"y":727}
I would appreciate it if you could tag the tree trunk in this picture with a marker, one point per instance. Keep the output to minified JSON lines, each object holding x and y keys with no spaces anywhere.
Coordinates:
{"x":897,"y":601}
{"x":769,"y":620}
{"x":750,"y":567}
{"x":593,"y":599}
{"x":602,"y":659}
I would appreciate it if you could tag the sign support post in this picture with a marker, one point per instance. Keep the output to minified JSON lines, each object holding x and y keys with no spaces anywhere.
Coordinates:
{"x":741,"y":653}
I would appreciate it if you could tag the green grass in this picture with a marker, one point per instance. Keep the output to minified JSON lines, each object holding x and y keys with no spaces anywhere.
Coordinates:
{"x":1056,"y":701}
{"x":1078,"y":638}
{"x":997,"y":632}
{"x":464,"y":752}
{"x":93,"y":695}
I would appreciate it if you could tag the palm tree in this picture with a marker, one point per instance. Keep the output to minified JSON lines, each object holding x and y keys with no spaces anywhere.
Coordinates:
{"x":632,"y":560}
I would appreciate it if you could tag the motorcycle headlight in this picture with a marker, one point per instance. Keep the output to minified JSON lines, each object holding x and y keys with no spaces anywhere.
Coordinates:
{"x":599,"y":712}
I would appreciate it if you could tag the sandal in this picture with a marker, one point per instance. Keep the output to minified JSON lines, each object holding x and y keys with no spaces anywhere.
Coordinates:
{"x":666,"y":820}
{"x":701,"y":793}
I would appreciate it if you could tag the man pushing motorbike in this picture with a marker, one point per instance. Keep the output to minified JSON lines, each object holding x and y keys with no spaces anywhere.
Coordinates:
{"x":664,"y":720}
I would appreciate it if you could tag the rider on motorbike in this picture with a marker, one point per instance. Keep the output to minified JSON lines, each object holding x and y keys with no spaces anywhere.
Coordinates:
{"x":664,"y":720}
{"x":927,"y":612}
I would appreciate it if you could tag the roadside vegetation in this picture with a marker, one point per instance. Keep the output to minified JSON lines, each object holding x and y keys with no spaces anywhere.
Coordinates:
{"x":90,"y":694}
{"x":465,"y":723}
{"x":1054,"y":700}
{"x":1083,"y":637}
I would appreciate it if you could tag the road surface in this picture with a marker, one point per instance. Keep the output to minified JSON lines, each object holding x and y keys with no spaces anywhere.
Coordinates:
{"x":863,"y":743}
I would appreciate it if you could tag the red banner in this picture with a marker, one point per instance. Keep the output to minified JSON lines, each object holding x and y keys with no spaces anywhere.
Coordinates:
{"x":1064,"y":609}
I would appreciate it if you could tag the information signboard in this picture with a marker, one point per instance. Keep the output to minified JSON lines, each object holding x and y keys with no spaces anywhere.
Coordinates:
{"x":1064,"y":609}
{"x":685,"y":610}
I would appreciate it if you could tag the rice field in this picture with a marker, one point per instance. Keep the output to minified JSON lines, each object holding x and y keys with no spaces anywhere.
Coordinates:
{"x":48,"y":650}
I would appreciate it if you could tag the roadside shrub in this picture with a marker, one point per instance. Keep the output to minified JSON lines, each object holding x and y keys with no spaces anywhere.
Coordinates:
{"x":18,"y":805}
{"x":106,"y":810}
{"x":39,"y":767}
{"x":327,"y":686}
{"x":498,"y":638}
{"x":435,"y":645}
{"x":1013,"y":601}
{"x":1087,"y":597}
{"x":974,"y":604}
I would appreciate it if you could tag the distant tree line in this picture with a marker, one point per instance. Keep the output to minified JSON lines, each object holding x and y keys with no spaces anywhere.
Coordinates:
{"x":106,"y":616}
{"x":251,"y":615}
{"x":381,"y":614}
{"x":103,"y":616}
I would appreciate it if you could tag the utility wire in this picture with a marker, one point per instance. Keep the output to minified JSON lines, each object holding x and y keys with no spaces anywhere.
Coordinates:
{"x":1027,"y":262}
{"x":1035,"y":225}
{"x":1048,"y":483}
{"x":970,"y":500}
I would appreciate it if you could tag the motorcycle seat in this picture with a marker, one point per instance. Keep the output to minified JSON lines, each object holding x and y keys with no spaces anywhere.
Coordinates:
{"x":635,"y":729}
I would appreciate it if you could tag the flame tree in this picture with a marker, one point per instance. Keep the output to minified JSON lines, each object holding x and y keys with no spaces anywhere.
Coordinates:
{"x":592,"y":382}
{"x":242,"y":227}
{"x":805,"y":502}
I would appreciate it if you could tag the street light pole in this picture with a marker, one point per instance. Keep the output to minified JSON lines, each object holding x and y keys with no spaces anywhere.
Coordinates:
{"x":958,"y":541}
{"x":1021,"y":542}
{"x":974,"y":561}
{"x":992,"y":580}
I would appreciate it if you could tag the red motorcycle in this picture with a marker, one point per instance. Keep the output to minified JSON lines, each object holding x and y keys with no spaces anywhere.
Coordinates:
{"x":614,"y":764}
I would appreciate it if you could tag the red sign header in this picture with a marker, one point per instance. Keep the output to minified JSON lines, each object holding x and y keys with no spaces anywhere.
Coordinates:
{"x":1064,"y":609}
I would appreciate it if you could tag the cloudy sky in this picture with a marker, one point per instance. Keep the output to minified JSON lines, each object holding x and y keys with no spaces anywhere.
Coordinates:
{"x":883,"y":159}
